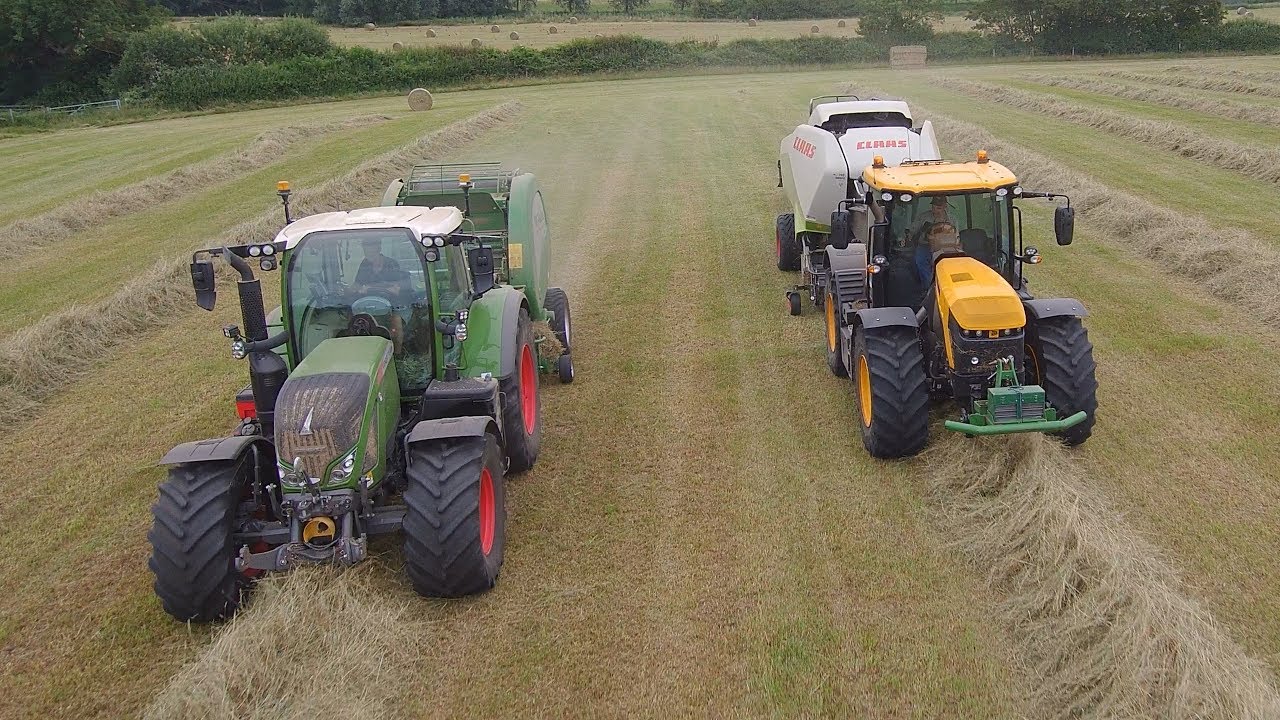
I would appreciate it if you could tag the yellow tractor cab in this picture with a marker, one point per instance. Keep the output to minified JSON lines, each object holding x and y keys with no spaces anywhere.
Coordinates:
{"x":926,"y":297}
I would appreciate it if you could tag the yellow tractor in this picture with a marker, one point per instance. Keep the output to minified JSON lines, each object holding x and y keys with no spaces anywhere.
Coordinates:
{"x":925,"y":298}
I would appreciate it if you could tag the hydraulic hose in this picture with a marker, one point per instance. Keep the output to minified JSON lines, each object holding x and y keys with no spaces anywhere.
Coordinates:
{"x":270,"y":343}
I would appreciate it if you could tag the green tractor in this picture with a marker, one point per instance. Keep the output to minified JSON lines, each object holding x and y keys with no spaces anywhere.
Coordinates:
{"x":394,"y":390}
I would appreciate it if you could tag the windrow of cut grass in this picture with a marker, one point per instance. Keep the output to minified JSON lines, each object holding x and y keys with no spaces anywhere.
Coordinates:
{"x":1224,"y":71}
{"x":1249,"y":112}
{"x":1199,"y":82}
{"x":1103,"y":619}
{"x":30,"y":234}
{"x":1228,"y":261}
{"x":44,"y":357}
{"x":1255,"y":163}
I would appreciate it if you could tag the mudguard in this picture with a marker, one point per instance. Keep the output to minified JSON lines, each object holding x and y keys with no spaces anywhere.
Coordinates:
{"x":871,"y":318}
{"x":212,"y":450}
{"x":847,"y":269}
{"x":392,"y":194}
{"x":491,"y":327}
{"x":1055,"y":307}
{"x":454,"y":427}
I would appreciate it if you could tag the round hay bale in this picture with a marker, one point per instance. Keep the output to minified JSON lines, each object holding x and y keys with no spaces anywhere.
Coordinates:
{"x":1242,"y":10}
{"x":475,"y":42}
{"x":494,"y":29}
{"x":397,"y":46}
{"x":431,"y":33}
{"x":842,"y":24}
{"x":370,"y":26}
{"x":573,"y":20}
{"x":420,"y":99}
{"x":752,"y":22}
{"x":815,"y":29}
{"x":553,"y":30}
{"x":514,"y":35}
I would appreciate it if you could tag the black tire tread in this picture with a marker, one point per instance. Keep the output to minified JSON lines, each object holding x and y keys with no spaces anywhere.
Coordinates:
{"x":192,"y":555}
{"x":557,"y":301}
{"x":789,"y":254}
{"x":1068,"y":372}
{"x":899,"y":392}
{"x":835,"y":363}
{"x":442,"y":554}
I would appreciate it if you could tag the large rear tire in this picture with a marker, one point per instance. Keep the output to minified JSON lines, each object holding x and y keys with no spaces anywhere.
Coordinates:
{"x":893,"y":392}
{"x":521,"y":401}
{"x":831,"y":313}
{"x":787,"y":243}
{"x":192,"y":550}
{"x":1059,"y":358}
{"x":455,"y":516}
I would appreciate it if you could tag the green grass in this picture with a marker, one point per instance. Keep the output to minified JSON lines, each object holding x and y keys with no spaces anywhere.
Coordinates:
{"x":703,"y":529}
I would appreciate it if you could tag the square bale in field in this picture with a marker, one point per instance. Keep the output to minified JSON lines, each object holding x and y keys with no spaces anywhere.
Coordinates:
{"x":907,"y":56}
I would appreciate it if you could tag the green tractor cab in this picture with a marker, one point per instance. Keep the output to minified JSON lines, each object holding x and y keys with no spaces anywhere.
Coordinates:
{"x":394,"y":390}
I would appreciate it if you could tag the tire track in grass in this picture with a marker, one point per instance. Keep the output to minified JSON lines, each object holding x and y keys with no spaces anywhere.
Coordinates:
{"x":35,"y":233}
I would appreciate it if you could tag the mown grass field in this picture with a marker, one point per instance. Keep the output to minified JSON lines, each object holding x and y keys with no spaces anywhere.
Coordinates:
{"x":704,"y":534}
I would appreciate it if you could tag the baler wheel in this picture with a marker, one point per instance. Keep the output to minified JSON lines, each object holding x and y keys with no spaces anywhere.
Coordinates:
{"x":1059,"y":358}
{"x":521,"y":401}
{"x":455,"y":516}
{"x":893,"y":394}
{"x":835,"y":363}
{"x":192,"y":552}
{"x":557,"y":302}
{"x":787,"y":243}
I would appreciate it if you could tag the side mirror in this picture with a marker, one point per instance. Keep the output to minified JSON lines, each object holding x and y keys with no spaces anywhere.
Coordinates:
{"x":1064,"y":224}
{"x":204,"y":282}
{"x":840,"y":234}
{"x":481,"y":261}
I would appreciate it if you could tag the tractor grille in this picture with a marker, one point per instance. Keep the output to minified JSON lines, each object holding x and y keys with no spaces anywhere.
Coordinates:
{"x":335,"y":404}
{"x":1009,"y":413}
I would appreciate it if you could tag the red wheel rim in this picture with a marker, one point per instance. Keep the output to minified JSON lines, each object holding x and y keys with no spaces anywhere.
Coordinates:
{"x":488,"y":512}
{"x":528,"y":390}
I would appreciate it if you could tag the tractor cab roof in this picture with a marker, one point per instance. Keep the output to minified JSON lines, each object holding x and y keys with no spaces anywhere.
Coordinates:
{"x":939,"y":177}
{"x":419,"y":220}
{"x":823,"y":112}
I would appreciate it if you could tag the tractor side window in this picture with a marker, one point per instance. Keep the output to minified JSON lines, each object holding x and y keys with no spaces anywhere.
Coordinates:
{"x":453,"y":280}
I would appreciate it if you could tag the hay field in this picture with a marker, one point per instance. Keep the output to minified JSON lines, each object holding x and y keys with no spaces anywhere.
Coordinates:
{"x":703,"y":533}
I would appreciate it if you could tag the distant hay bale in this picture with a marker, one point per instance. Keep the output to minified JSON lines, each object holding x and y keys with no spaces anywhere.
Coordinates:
{"x":420,"y":99}
{"x":397,"y":46}
{"x":815,"y":30}
{"x":599,"y":36}
{"x":431,"y":33}
{"x":370,"y":26}
{"x":514,"y":35}
{"x":1248,"y":13}
{"x":573,"y":20}
{"x":1242,"y":10}
{"x":494,"y":29}
{"x":475,"y":42}
{"x":908,"y":56}
{"x":752,"y":22}
{"x":553,"y":30}
{"x":842,"y":24}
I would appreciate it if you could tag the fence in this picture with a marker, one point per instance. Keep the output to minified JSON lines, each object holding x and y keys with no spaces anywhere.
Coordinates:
{"x":13,"y":111}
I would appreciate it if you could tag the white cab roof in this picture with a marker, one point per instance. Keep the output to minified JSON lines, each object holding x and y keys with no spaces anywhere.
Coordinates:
{"x":824,"y":111}
{"x":420,"y":220}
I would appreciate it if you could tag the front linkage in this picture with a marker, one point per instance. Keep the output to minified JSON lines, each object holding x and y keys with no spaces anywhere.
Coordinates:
{"x":1011,"y":407}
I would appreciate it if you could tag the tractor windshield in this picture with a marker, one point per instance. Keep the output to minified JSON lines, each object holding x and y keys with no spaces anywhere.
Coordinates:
{"x":975,"y":223}
{"x":362,"y":282}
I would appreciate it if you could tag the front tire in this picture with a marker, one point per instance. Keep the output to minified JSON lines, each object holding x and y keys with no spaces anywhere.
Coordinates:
{"x":521,"y":401}
{"x":1059,"y":358}
{"x":192,"y":553}
{"x":787,"y":243}
{"x":893,"y":393}
{"x":455,"y":516}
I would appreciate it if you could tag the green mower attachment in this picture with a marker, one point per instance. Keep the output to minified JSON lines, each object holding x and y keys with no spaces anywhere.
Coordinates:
{"x":1013,"y":408}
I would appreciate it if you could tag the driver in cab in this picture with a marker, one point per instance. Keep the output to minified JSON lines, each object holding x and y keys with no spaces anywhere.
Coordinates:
{"x":377,"y":272}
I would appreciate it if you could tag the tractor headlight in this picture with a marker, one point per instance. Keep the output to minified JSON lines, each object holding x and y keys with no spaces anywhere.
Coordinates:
{"x":343,"y":470}
{"x":255,"y":251}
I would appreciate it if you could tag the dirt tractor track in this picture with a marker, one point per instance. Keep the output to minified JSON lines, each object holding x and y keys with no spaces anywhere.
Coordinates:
{"x":703,"y":534}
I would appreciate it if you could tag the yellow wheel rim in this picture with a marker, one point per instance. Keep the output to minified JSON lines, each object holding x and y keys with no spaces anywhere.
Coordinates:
{"x":864,"y":390}
{"x":832,"y":336}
